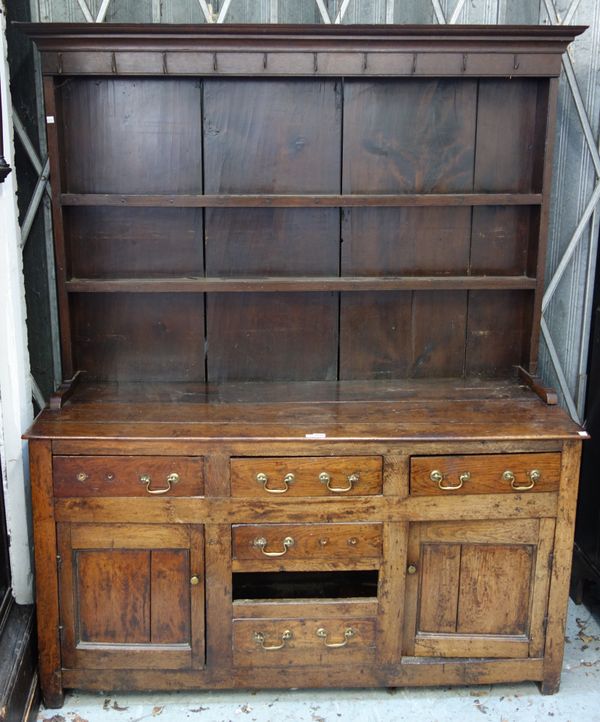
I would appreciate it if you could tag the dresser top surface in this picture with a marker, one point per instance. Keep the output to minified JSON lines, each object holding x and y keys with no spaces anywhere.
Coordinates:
{"x":420,"y":410}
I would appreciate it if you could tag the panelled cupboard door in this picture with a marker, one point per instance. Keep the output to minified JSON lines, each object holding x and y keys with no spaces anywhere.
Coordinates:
{"x":477,"y":589}
{"x":132,"y":596}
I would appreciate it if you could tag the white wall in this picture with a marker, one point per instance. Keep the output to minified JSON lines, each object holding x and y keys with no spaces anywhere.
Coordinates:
{"x":15,"y":386}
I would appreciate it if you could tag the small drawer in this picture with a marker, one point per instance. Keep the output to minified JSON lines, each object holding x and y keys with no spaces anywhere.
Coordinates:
{"x":306,"y":476}
{"x":128,"y":476}
{"x":484,"y":474}
{"x":323,"y":641}
{"x":306,"y":546}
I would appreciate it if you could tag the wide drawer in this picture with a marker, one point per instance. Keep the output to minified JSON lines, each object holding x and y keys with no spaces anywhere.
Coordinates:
{"x":484,"y":474}
{"x":128,"y":476}
{"x":306,"y":546}
{"x":323,"y":641}
{"x":306,"y":476}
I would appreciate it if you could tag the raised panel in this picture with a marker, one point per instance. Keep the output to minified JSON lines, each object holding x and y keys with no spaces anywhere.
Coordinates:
{"x":113,"y":593}
{"x":495,"y":589}
{"x":440,"y":581}
{"x":126,"y":596}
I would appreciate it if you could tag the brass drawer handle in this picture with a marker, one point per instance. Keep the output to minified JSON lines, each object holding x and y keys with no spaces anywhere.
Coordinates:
{"x":534,"y":476}
{"x":147,"y":480}
{"x":82,"y":476}
{"x":348,"y":634}
{"x":263,"y":479}
{"x":438,"y":477}
{"x":261,"y":544}
{"x":325,"y":478}
{"x":259,"y":638}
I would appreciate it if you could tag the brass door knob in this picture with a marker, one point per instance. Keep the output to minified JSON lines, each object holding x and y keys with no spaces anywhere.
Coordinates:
{"x":194,"y":581}
{"x":412,"y":569}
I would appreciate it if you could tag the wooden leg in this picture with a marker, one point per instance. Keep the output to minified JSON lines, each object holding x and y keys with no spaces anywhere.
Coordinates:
{"x":561,"y":567}
{"x":44,"y":535}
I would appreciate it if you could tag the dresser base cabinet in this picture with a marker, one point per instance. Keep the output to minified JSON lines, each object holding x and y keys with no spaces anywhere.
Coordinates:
{"x":391,"y":559}
{"x":300,"y":441}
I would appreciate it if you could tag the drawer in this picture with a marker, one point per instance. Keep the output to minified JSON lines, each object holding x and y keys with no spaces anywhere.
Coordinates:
{"x":306,"y":546}
{"x":306,"y":476}
{"x":326,"y":641}
{"x":128,"y":476}
{"x":484,"y":474}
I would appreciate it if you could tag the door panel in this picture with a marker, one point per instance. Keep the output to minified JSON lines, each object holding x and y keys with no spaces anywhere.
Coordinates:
{"x":132,"y":595}
{"x":477,"y":589}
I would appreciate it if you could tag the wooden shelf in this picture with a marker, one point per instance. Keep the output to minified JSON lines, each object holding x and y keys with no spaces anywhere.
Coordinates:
{"x":307,"y":283}
{"x":302,"y":201}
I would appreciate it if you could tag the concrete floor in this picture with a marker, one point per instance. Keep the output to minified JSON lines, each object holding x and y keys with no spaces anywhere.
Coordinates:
{"x":577,"y":701}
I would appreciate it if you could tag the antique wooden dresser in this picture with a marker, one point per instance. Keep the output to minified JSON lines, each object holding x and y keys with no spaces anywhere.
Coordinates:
{"x":302,"y":444}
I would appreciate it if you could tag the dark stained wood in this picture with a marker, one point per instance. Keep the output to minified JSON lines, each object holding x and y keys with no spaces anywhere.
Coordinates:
{"x":407,"y":241}
{"x":386,"y":151}
{"x":100,"y":115}
{"x":64,"y":392}
{"x":292,"y":340}
{"x":273,"y":137}
{"x":506,"y":120}
{"x":535,"y":383}
{"x":264,"y":242}
{"x":297,"y":284}
{"x":133,"y":242}
{"x":396,"y":335}
{"x":139,"y":336}
{"x":53,"y":107}
{"x":496,"y":331}
{"x":301,"y":251}
{"x":293,"y":200}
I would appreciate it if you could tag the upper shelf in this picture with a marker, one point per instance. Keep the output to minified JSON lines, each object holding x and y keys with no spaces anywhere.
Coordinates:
{"x":302,"y":200}
{"x":301,"y":50}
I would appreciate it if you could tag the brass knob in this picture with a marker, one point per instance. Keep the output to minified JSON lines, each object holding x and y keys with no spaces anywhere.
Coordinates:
{"x":82,"y":476}
{"x":412,"y":569}
{"x":194,"y":581}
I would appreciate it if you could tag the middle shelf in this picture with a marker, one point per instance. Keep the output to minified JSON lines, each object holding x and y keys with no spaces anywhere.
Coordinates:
{"x":197,"y":284}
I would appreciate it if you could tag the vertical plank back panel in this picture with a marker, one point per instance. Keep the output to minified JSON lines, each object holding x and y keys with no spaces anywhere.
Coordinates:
{"x":272,"y":137}
{"x":139,"y":135}
{"x":139,"y":336}
{"x":129,"y":242}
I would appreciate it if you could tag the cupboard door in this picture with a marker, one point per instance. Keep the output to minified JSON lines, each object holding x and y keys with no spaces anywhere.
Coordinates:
{"x":477,"y":589}
{"x":132,"y":595}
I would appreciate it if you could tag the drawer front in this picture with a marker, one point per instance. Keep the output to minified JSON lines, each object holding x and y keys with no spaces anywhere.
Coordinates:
{"x":282,"y":546}
{"x":484,"y":474}
{"x":306,"y":476}
{"x":276,"y":642}
{"x":128,"y":476}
